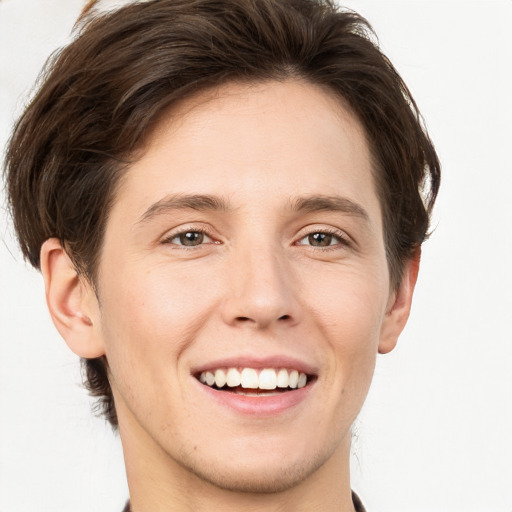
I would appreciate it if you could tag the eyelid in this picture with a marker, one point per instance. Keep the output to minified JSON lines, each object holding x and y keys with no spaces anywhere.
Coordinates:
{"x":189,"y":228}
{"x":342,"y":236}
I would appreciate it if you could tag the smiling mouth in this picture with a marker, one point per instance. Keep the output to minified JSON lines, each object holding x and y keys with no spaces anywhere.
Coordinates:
{"x":254,"y":382}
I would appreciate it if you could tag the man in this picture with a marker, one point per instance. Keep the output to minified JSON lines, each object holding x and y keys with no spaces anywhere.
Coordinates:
{"x":225,"y":201}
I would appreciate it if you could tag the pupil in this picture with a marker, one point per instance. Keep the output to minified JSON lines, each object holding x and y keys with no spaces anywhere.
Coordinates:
{"x":320,"y":239}
{"x":191,"y":238}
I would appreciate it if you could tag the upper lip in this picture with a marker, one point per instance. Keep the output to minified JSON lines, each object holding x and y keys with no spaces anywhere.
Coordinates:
{"x":244,"y":361}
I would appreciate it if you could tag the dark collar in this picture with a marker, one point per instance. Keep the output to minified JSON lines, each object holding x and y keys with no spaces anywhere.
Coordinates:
{"x":358,"y":505}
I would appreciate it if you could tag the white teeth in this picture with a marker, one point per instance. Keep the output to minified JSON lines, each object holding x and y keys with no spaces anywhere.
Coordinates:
{"x":233,"y":378}
{"x":282,"y":378}
{"x":220,"y":378}
{"x":249,"y":378}
{"x":210,"y":378}
{"x":293,"y":379}
{"x":268,"y":379}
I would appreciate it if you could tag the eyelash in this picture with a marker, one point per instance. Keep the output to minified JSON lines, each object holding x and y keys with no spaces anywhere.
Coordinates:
{"x":340,"y":236}
{"x":202,"y":231}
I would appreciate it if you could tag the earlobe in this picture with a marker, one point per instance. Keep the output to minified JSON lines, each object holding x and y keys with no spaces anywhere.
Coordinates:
{"x":400,"y":305}
{"x":71,"y":301}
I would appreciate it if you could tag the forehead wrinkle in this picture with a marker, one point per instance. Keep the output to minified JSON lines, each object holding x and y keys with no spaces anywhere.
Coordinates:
{"x":198,"y":202}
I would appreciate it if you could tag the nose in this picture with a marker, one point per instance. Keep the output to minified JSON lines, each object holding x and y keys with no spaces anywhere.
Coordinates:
{"x":261,"y":291}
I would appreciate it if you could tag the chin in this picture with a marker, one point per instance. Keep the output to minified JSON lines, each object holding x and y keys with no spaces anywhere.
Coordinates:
{"x":255,"y":474}
{"x":257,"y":480}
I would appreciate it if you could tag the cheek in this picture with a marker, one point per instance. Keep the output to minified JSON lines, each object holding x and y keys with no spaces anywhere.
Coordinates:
{"x":155,"y":301}
{"x":349,"y":312}
{"x":149,"y":319}
{"x":349,"y":302}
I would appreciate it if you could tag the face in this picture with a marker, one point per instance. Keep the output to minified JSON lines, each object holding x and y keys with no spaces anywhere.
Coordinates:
{"x":246,"y":246}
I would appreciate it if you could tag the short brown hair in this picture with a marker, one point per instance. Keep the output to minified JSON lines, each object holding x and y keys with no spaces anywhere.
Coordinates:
{"x":100,"y":96}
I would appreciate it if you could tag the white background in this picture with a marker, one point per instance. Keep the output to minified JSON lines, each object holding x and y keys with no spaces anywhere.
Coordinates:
{"x":436,"y":431}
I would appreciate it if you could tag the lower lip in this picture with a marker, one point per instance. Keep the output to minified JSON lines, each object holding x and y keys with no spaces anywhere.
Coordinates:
{"x":258,"y":405}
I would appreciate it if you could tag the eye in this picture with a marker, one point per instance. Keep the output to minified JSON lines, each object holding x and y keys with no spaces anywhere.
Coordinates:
{"x":189,"y":238}
{"x":322,"y":239}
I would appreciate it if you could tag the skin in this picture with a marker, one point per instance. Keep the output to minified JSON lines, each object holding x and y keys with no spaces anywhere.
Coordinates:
{"x":257,"y":286}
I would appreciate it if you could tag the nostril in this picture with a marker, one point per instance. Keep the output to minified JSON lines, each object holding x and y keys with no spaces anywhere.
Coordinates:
{"x":259,"y":321}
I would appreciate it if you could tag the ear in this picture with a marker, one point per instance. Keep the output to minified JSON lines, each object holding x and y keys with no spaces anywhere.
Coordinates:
{"x":399,"y":305}
{"x":71,"y":301}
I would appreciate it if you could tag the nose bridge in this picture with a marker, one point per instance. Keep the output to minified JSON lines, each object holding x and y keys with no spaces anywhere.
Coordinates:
{"x":261,"y":289}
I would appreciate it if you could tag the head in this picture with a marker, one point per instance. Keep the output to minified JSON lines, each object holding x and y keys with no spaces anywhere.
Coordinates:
{"x":138,"y":75}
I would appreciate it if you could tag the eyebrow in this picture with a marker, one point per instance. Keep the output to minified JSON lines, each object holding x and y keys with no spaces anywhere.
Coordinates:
{"x":199,"y":202}
{"x":319,"y":203}
{"x":205,"y":202}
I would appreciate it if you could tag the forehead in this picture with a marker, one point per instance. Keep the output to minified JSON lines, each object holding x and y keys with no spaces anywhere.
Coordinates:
{"x":250,"y":102}
{"x":243,"y":140}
